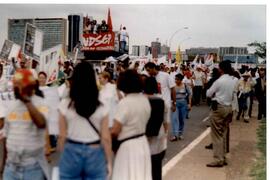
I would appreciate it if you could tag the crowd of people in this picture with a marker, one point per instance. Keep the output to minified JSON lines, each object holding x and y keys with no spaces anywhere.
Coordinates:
{"x":113,"y":122}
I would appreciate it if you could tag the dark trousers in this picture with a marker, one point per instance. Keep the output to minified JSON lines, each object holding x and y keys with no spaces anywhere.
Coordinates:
{"x":251,"y":103}
{"x":156,"y":161}
{"x":262,"y":107}
{"x":197,"y":93}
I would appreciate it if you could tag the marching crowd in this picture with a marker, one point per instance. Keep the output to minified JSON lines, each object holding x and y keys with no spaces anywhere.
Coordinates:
{"x":113,"y":122}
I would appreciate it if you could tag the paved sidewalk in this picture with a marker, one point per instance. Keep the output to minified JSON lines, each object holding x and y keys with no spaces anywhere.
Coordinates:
{"x":243,"y":152}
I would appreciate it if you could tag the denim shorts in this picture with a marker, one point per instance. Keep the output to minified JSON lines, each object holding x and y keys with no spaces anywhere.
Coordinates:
{"x":85,"y":162}
{"x":29,"y":172}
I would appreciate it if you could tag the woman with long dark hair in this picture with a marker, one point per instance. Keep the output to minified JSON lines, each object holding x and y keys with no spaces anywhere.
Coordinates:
{"x":84,"y":133}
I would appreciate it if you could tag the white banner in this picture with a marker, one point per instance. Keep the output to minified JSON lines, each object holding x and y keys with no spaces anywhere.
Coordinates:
{"x":33,"y":41}
{"x":9,"y":50}
{"x":49,"y":62}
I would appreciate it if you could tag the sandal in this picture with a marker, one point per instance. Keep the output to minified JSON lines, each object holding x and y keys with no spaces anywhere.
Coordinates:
{"x":174,"y":138}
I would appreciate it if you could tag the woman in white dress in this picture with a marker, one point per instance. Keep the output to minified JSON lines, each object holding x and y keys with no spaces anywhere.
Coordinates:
{"x":133,"y":158}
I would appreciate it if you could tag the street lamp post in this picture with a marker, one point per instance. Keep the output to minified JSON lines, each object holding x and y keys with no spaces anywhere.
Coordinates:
{"x":178,"y":30}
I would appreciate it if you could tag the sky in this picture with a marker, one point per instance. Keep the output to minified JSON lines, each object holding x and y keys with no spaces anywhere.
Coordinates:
{"x":208,"y":25}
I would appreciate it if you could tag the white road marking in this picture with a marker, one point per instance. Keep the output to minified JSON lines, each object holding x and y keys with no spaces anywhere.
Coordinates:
{"x":205,"y":119}
{"x":169,"y":165}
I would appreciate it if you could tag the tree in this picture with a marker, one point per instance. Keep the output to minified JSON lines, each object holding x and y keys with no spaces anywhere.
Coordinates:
{"x":260,"y":49}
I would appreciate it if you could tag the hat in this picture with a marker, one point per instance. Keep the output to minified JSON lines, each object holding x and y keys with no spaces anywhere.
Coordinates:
{"x":24,"y":77}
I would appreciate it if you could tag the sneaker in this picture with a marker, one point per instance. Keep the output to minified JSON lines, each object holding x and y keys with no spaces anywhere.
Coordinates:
{"x":180,"y":137}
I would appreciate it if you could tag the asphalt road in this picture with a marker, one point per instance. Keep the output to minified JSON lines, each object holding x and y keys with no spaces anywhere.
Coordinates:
{"x":194,"y":126}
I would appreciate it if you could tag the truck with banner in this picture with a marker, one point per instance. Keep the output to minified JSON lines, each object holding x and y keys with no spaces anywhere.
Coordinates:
{"x":99,"y":40}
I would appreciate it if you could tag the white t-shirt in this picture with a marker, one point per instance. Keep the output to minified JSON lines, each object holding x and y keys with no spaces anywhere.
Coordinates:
{"x":123,"y":35}
{"x":78,"y":128}
{"x":198,"y":81}
{"x":108,"y":96}
{"x":22,"y":135}
{"x":165,"y":85}
{"x":133,"y":112}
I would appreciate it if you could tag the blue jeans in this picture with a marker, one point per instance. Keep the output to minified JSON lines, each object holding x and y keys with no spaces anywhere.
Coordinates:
{"x":123,"y":46}
{"x":181,"y":106}
{"x":85,"y":162}
{"x":30,"y":172}
{"x":175,"y":123}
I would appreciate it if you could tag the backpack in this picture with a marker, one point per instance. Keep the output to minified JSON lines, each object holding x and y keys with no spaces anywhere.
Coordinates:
{"x":156,"y":118}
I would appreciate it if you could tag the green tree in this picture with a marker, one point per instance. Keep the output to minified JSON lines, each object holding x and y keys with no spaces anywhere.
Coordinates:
{"x":260,"y":49}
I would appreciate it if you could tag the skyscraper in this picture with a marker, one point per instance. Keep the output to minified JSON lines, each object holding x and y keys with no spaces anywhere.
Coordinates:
{"x":73,"y":31}
{"x":54,"y":31}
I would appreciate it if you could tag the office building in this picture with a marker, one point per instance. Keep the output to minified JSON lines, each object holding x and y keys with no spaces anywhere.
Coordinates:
{"x":232,"y":50}
{"x":143,"y":50}
{"x":74,"y":33}
{"x":201,"y":51}
{"x":155,"y":48}
{"x":135,"y":50}
{"x":54,"y":31}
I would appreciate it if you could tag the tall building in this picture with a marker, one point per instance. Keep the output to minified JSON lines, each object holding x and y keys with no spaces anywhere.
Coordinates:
{"x":54,"y":31}
{"x":164,"y":50}
{"x":155,"y":48}
{"x":232,"y":50}
{"x":74,"y":33}
{"x":143,"y":50}
{"x":135,"y":50}
{"x":16,"y":30}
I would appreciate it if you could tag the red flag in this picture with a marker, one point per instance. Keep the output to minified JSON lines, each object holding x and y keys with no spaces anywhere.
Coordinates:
{"x":109,"y":21}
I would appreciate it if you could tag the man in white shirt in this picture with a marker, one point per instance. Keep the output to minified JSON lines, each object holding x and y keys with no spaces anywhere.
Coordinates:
{"x":166,"y":87}
{"x":123,"y":39}
{"x":221,"y":93}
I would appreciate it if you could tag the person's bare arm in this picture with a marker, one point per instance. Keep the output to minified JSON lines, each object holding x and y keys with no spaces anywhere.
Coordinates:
{"x":107,"y":144}
{"x":62,"y":132}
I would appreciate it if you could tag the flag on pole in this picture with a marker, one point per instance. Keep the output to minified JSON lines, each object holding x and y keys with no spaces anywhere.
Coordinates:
{"x":109,"y":21}
{"x":178,"y":57}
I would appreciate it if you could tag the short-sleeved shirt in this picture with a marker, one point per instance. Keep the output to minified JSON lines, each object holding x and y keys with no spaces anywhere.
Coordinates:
{"x":133,"y":112}
{"x":21,"y":132}
{"x":165,"y":84}
{"x":78,"y":128}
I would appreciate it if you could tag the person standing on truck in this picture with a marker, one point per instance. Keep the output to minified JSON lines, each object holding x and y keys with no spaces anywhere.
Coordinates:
{"x":123,"y":39}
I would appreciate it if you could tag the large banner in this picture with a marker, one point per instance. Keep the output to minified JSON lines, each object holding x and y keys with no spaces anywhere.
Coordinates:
{"x":49,"y":62}
{"x":33,"y":41}
{"x":10,"y":50}
{"x":98,"y":42}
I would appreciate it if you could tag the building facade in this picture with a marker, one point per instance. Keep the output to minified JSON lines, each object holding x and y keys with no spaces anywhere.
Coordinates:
{"x":155,"y":49}
{"x":242,"y":58}
{"x":16,"y":30}
{"x":143,"y":50}
{"x":164,"y":50}
{"x":54,"y":31}
{"x":201,"y":51}
{"x":135,"y":50}
{"x":232,"y":50}
{"x":74,"y":33}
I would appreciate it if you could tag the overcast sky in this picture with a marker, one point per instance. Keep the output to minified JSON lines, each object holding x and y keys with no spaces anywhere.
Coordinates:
{"x":208,"y":25}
